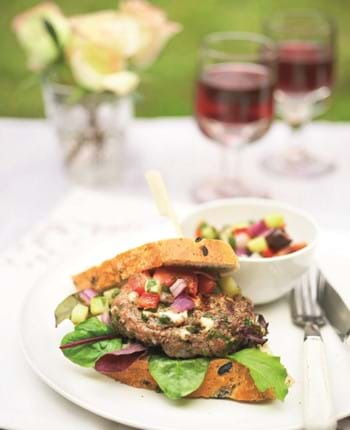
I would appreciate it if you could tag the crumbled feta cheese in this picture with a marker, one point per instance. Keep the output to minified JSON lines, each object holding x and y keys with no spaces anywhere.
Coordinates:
{"x":265,"y":348}
{"x":148,"y":313}
{"x":176,"y":318}
{"x":207,"y":323}
{"x":183,"y":333}
{"x":133,"y":296}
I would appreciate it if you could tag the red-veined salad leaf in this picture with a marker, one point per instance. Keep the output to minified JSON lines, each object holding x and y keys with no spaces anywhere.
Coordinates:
{"x":118,"y":361}
{"x":89,"y":341}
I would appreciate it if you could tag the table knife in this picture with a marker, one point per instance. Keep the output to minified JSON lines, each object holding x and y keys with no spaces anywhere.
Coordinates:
{"x":335,"y":309}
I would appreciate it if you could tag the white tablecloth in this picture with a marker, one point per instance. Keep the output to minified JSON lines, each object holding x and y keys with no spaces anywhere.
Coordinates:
{"x":32,"y":184}
{"x":32,"y":180}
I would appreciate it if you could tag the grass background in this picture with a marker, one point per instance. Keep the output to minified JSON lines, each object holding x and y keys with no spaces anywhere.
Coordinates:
{"x":167,"y":87}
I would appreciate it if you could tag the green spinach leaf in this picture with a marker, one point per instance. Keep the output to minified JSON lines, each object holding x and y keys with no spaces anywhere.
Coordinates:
{"x":87,"y":354}
{"x":266,"y":370}
{"x":178,"y":377}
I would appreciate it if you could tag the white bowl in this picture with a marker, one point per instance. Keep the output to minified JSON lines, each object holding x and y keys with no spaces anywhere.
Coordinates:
{"x":262,"y":279}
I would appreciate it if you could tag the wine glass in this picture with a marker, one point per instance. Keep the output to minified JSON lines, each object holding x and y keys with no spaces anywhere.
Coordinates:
{"x":234,"y":104}
{"x":305,"y":42}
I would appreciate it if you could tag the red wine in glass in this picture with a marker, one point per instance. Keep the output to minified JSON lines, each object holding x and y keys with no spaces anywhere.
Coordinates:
{"x":305,"y":41}
{"x":234,"y":101}
{"x":304,"y":67}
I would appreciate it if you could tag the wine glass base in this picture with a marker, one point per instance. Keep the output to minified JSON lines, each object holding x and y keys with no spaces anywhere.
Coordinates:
{"x":225,"y":188}
{"x":297,"y":163}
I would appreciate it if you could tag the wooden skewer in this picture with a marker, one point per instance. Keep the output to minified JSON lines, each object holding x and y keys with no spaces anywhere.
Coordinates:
{"x":161,"y":198}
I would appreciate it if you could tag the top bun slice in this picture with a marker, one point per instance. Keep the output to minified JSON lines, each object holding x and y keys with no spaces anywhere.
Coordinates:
{"x":204,"y":254}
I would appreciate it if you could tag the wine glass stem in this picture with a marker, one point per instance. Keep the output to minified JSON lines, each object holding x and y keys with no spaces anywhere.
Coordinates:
{"x":230,"y":162}
{"x":296,"y":131}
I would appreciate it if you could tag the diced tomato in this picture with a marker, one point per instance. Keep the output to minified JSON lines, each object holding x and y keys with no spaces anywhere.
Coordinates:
{"x":206,"y":285}
{"x":198,"y":232}
{"x":166,"y":277}
{"x":241,"y":230}
{"x":291,"y":248}
{"x":192,"y":283}
{"x":296,"y":246}
{"x":267,"y":253}
{"x":137,"y":282}
{"x":148,"y":301}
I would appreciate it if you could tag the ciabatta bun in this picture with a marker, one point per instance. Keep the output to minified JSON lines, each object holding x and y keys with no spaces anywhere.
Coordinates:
{"x":215,"y":255}
{"x":225,"y":379}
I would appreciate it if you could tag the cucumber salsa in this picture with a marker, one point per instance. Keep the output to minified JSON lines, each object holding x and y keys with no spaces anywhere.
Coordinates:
{"x":264,"y":238}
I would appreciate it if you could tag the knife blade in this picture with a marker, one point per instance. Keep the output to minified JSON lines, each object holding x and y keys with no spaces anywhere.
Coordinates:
{"x":335,"y":309}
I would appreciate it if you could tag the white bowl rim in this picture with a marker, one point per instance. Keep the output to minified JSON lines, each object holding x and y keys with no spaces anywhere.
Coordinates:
{"x":263,"y":202}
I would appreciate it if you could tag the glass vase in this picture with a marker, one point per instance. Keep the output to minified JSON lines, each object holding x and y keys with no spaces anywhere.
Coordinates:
{"x":91,"y":129}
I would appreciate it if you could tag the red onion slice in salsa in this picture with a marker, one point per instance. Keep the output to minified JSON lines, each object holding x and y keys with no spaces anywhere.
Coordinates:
{"x":182,"y":303}
{"x":87,"y":294}
{"x":178,"y":287}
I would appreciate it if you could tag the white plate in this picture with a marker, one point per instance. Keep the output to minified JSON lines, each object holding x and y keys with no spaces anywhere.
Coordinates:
{"x":144,"y":409}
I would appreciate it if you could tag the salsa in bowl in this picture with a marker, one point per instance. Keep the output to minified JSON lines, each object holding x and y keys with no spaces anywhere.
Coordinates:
{"x":268,"y":237}
{"x":261,"y":278}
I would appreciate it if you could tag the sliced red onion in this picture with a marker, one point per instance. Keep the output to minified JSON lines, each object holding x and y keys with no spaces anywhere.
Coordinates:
{"x":182,"y":303}
{"x":87,"y":294}
{"x":268,"y":231}
{"x":257,"y":229}
{"x":120,"y":360}
{"x":178,"y":287}
{"x":105,"y":318}
{"x":242,"y":252}
{"x":206,"y":275}
{"x":241,"y":240}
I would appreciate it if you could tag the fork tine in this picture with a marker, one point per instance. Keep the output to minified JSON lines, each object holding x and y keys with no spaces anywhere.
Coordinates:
{"x":297,"y":308}
{"x":305,"y":307}
{"x":306,"y":295}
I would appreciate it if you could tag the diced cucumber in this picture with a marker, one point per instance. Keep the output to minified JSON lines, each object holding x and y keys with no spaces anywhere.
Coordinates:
{"x":227,"y":235}
{"x":111,"y":294}
{"x":274,"y":220}
{"x":79,"y":313}
{"x":98,"y":305}
{"x":257,"y":244}
{"x":153,"y":286}
{"x":229,"y":286}
{"x":209,"y":232}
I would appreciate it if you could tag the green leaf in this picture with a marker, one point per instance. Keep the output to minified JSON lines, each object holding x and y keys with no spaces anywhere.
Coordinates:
{"x":52,"y":32}
{"x":86,"y":355}
{"x":64,"y":309}
{"x":177,"y":377}
{"x":265,"y":369}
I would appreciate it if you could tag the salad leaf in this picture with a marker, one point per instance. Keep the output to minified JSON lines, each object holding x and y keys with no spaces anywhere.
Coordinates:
{"x":88,"y":353}
{"x":118,"y":361}
{"x":178,"y":377}
{"x":64,"y":309}
{"x":265,"y":369}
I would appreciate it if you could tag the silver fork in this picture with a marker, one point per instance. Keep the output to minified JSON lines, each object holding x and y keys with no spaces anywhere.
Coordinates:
{"x":318,"y":404}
